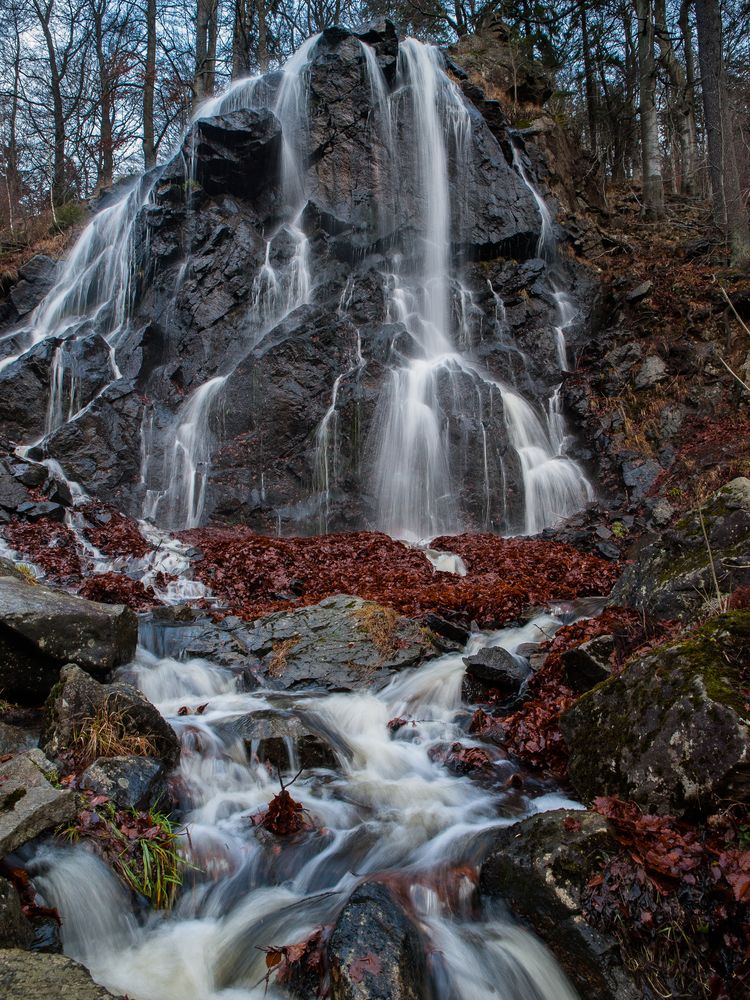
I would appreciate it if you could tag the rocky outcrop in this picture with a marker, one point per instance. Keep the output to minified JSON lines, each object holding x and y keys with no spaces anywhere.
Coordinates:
{"x":42,"y":629}
{"x":342,"y":644}
{"x":29,"y":803}
{"x":375,"y":951}
{"x":672,"y":731}
{"x":78,"y":703}
{"x":697,"y":563}
{"x":494,"y":669}
{"x":540,"y":867}
{"x":587,"y":665}
{"x":35,"y":976}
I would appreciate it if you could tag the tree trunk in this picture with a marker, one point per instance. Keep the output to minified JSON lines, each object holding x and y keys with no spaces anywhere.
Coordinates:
{"x":263,"y":60}
{"x":681,"y":101}
{"x":107,"y":158}
{"x":589,"y":81}
{"x":729,"y":209}
{"x":653,"y":185}
{"x":241,"y":32}
{"x":59,"y":189}
{"x":205,"y":50}
{"x":149,"y":85}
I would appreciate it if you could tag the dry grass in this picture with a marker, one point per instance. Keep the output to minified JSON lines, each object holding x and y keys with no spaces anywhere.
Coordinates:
{"x":281,"y":651}
{"x":380,"y":624}
{"x":105,"y":734}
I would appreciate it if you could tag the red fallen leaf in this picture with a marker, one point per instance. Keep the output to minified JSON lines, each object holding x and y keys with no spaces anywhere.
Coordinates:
{"x":274,"y":957}
{"x":647,"y":918}
{"x":201,"y":708}
{"x":98,"y":800}
{"x":367,"y":963}
{"x":571,"y":824}
{"x":395,"y":724}
{"x":595,"y":881}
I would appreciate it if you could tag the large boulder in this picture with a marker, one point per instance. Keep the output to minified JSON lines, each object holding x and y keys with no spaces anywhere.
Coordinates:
{"x":279,"y":739}
{"x":42,"y":629}
{"x":375,"y":951}
{"x":28,"y":975}
{"x":79,"y":708}
{"x":130,"y":782}
{"x":29,"y":803}
{"x":540,"y":866}
{"x":342,"y":644}
{"x":696,"y":564}
{"x":672,"y":731}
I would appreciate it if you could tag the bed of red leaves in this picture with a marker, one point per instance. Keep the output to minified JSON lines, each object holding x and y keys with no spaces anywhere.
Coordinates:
{"x":111,"y":532}
{"x":676,"y":895}
{"x":116,"y":588}
{"x":254,"y":574}
{"x":50,"y":545}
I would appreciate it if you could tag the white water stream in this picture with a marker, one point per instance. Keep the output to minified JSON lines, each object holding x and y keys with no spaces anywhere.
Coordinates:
{"x":386,"y":810}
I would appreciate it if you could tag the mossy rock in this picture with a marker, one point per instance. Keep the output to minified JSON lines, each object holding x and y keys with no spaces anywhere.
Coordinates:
{"x":678,"y":574}
{"x":540,"y":867}
{"x":672,"y":731}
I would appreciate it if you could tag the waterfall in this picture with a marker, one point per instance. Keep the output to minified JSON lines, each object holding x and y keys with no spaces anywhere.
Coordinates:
{"x":441,"y":419}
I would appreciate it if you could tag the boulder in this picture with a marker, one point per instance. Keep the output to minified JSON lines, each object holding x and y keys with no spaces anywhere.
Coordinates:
{"x":42,"y":629}
{"x":677,"y":575}
{"x":28,"y":975}
{"x":342,"y":644}
{"x":236,"y":153}
{"x":588,"y":664}
{"x":278,"y":738}
{"x":29,"y":803}
{"x":375,"y":951}
{"x":15,"y":929}
{"x":77,"y":699}
{"x":130,"y":782}
{"x":540,"y":866}
{"x":35,"y":280}
{"x":672,"y":731}
{"x":494,"y":668}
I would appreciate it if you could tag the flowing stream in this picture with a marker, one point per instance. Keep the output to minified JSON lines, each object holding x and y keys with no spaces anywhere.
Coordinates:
{"x":386,"y":810}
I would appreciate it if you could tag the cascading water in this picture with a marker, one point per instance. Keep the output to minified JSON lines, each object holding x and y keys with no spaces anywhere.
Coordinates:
{"x":438,"y":403}
{"x":388,"y":808}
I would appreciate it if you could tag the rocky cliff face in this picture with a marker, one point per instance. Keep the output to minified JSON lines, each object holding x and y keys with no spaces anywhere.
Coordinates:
{"x":238,"y":337}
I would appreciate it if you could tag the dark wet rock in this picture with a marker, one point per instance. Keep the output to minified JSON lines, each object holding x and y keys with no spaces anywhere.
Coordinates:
{"x":45,"y":509}
{"x":588,"y":664}
{"x":375,"y":951}
{"x":36,"y":976}
{"x":13,"y":739}
{"x":343,"y":644}
{"x":639,"y":476}
{"x":12,"y":493}
{"x":494,"y":668}
{"x":29,"y":803}
{"x":671,"y":732}
{"x":540,"y":866}
{"x":129,"y":782}
{"x":35,"y":280}
{"x":77,"y":698}
{"x":236,"y":153}
{"x":42,"y":629}
{"x":450,"y":630}
{"x":280,"y":739}
{"x":673,"y":577}
{"x":15,"y":929}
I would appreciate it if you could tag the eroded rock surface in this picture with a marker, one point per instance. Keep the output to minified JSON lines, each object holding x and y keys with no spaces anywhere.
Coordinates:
{"x":29,"y":803}
{"x":36,"y":976}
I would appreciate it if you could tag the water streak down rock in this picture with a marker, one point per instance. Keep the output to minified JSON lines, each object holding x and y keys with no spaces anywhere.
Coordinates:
{"x":328,"y":310}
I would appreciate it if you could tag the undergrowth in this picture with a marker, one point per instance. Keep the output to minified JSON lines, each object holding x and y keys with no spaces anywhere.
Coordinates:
{"x":106,"y":734}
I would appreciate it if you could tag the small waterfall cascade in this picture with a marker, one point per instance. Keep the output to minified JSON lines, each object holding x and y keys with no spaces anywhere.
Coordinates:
{"x":444,"y":424}
{"x":387,"y":807}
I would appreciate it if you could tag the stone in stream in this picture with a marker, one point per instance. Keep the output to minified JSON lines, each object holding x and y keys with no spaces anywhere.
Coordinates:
{"x":13,"y":739}
{"x":278,"y":738}
{"x":540,"y":866}
{"x":28,"y":975}
{"x":29,"y":803}
{"x":375,"y":951}
{"x":672,"y":731}
{"x":673,"y":577}
{"x":77,"y":703}
{"x":493,"y":668}
{"x":342,"y":644}
{"x":130,"y":782}
{"x":42,"y":629}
